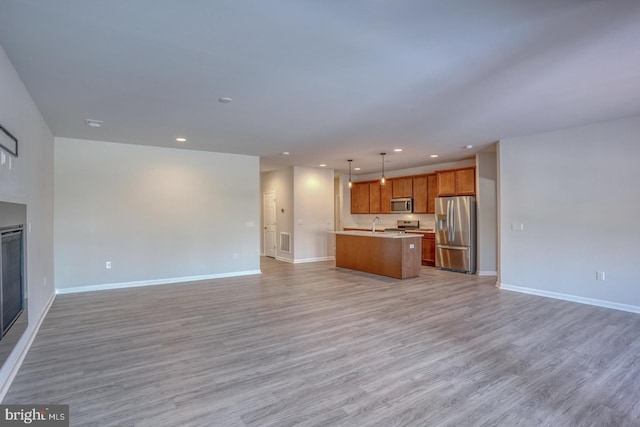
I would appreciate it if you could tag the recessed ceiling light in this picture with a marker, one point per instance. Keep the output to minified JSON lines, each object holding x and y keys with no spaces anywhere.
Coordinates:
{"x":181,"y":139}
{"x":397,"y":150}
{"x":225,"y":100}
{"x":284,"y":153}
{"x":433,"y":156}
{"x":92,"y":123}
{"x":323,"y":165}
{"x":356,"y":169}
{"x":468,"y":146}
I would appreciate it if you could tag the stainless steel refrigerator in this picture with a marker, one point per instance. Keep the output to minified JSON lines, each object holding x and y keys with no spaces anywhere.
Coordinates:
{"x":456,"y":233}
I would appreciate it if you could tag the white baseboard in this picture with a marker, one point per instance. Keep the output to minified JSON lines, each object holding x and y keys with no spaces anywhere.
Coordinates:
{"x":486,"y":273}
{"x":305,"y":260}
{"x":279,"y":258}
{"x":572,"y":298}
{"x":155,"y":282}
{"x":23,"y":353}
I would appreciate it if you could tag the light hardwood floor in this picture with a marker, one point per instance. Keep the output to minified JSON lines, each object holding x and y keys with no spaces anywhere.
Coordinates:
{"x":312,"y":345}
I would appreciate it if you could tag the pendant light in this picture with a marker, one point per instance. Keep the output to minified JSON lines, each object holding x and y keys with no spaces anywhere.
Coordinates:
{"x":350,"y":184}
{"x":382,"y":181}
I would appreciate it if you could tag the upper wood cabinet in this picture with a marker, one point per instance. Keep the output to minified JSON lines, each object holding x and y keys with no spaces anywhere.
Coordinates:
{"x":446,"y":183}
{"x":466,"y":182}
{"x":360,"y":198}
{"x":457,"y":182}
{"x":420,"y":194}
{"x":386,"y":194}
{"x":432,"y":192}
{"x":374,"y":197}
{"x":403,"y":187}
{"x":425,"y":192}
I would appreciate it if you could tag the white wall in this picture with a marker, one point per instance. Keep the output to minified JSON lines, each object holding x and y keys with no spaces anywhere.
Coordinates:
{"x":576,"y":193}
{"x":30,"y":183}
{"x":157,"y":214}
{"x":487,"y":224}
{"x":280,"y":181}
{"x":313,"y":202}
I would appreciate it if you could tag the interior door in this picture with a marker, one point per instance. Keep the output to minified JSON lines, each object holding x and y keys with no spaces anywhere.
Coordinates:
{"x":269,"y":226}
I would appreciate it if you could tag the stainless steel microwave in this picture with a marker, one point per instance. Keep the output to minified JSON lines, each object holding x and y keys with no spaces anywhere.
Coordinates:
{"x":404,"y":205}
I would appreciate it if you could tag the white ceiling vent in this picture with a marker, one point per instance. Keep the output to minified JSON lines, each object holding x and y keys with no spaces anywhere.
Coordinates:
{"x":93,"y":123}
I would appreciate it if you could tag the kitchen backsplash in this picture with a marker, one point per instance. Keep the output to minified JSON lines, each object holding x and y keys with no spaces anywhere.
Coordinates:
{"x":389,"y":220}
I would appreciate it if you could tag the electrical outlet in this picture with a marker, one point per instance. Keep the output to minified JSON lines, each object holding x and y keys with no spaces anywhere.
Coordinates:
{"x":107,"y":265}
{"x":600,"y":275}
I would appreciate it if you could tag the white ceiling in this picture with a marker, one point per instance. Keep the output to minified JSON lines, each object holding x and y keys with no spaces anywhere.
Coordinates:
{"x":326,"y":80}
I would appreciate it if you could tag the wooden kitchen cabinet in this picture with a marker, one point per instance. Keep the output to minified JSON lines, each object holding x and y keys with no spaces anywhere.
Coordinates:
{"x":466,"y":182}
{"x":360,"y":198}
{"x":429,"y":249}
{"x":386,"y":194}
{"x":374,"y":197}
{"x":432,"y":193}
{"x":420,"y":194}
{"x":403,"y":187}
{"x":457,"y":182}
{"x":424,"y":193}
{"x":446,"y":183}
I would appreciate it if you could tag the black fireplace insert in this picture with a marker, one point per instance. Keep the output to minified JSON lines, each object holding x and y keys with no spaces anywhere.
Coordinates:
{"x":11,"y":278}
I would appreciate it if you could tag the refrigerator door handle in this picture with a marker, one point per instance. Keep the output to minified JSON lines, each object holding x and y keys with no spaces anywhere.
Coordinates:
{"x":453,"y":221}
{"x":447,"y":218}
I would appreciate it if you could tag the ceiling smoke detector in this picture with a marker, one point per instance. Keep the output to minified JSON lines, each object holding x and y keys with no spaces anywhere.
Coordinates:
{"x":225,"y":100}
{"x":93,"y":123}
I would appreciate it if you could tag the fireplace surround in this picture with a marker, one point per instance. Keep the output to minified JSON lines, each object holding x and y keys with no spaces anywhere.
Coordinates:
{"x":13,"y":289}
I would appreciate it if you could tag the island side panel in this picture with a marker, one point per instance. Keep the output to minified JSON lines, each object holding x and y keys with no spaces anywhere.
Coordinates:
{"x":411,"y":257}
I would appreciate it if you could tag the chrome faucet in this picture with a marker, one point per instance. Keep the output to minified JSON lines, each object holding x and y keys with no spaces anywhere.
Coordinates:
{"x":376,"y":220}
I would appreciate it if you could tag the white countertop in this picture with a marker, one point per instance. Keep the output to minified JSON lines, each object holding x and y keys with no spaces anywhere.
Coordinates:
{"x":378,"y":235}
{"x":382,"y":228}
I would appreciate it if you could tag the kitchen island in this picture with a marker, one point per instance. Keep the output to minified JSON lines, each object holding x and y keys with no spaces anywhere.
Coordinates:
{"x":388,"y":254}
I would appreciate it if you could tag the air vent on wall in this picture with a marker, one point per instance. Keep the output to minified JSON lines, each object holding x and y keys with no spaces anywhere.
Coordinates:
{"x":285,"y":242}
